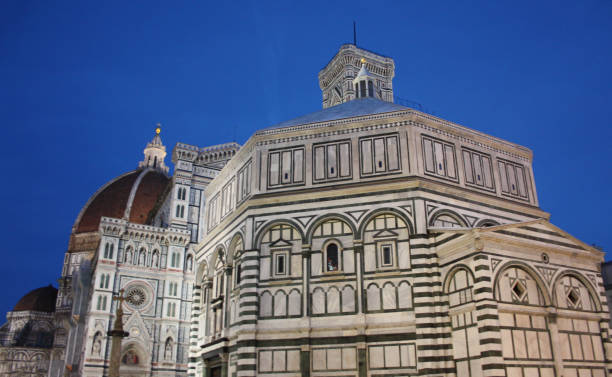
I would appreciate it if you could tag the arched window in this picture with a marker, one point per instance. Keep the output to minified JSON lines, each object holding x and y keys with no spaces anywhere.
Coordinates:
{"x":181,"y":193}
{"x":447,"y":221}
{"x":459,"y":288}
{"x":219,"y":278}
{"x":171,"y":309}
{"x":101,"y":303}
{"x":265,"y":304}
{"x":571,"y":293}
{"x":385,"y":243}
{"x":332,"y":227}
{"x":104,"y":279}
{"x":331,"y":253}
{"x":175,"y":259}
{"x":283,"y":232}
{"x":517,"y":286}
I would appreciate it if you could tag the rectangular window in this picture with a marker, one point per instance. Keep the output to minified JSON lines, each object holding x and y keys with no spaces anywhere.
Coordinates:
{"x":514,"y":181}
{"x":172,"y":289}
{"x":439,"y":158}
{"x":174,"y":261}
{"x":286,"y":167}
{"x":331,"y":161}
{"x":244,"y":182}
{"x":379,"y":155}
{"x":228,"y":197}
{"x":280,"y":263}
{"x":238,"y":273}
{"x":478,"y":169}
{"x":213,"y":214}
{"x":387,"y":255}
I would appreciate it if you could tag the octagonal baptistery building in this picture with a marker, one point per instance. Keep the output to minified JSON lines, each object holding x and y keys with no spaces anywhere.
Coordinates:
{"x":371,"y":239}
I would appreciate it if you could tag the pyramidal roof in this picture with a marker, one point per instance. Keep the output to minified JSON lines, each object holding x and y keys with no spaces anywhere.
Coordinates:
{"x":354,"y":108}
{"x":363,"y":72}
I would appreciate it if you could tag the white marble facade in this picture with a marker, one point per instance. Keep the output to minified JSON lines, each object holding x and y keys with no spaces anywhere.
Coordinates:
{"x":370,"y":239}
{"x":366,"y":239}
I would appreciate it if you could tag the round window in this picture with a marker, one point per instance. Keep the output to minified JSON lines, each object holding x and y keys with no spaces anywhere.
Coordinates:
{"x":136,"y":297}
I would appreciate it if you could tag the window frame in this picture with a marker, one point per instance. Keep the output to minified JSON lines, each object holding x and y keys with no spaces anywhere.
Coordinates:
{"x":275,"y":255}
{"x":380,"y":245}
{"x":340,"y":250}
{"x":237,"y":272}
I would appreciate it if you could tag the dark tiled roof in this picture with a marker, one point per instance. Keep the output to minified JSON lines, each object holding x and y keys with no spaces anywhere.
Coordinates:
{"x":150,"y":189}
{"x":113,"y":199}
{"x":354,"y":108}
{"x":39,"y":300}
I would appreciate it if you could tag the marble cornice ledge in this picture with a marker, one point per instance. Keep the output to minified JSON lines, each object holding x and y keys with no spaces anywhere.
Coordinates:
{"x":497,"y":241}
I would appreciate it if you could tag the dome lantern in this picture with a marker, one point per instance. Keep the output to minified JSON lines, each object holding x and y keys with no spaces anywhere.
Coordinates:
{"x":155,"y":153}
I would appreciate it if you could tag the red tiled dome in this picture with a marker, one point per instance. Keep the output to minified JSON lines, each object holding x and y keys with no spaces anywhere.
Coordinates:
{"x":39,"y":300}
{"x":112,"y":199}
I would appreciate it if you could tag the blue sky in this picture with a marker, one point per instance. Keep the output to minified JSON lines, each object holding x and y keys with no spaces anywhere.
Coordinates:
{"x":82,"y":85}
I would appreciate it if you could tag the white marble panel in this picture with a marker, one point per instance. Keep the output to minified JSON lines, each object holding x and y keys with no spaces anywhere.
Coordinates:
{"x":333,"y":300}
{"x":265,"y":361}
{"x":279,"y":362}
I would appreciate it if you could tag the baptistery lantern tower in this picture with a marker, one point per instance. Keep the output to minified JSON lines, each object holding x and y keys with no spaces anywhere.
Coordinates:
{"x":338,"y":78}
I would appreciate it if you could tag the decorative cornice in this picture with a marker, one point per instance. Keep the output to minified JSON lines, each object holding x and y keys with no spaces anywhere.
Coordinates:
{"x":147,"y":233}
{"x":408,"y":122}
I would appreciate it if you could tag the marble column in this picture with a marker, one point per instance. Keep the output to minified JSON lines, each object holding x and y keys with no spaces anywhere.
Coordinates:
{"x":117,"y":334}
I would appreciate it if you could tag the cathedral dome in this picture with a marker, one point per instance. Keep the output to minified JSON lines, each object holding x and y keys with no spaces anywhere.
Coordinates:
{"x":131,"y":196}
{"x":39,"y":300}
